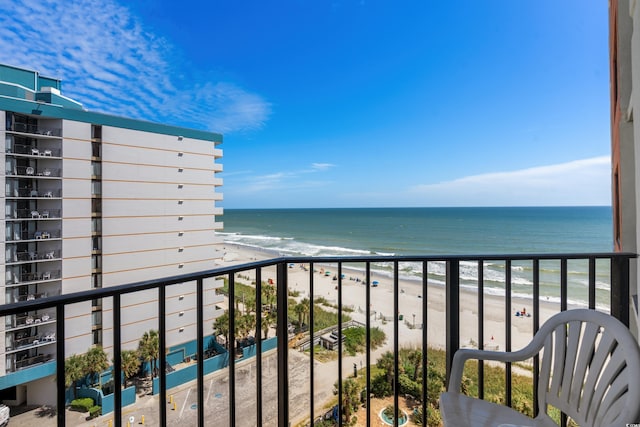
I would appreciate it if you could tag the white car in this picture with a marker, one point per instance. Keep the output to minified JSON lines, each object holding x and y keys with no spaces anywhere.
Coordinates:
{"x":4,"y":415}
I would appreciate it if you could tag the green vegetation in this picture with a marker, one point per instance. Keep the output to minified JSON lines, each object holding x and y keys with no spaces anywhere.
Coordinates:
{"x":410,"y":382}
{"x":149,"y":350}
{"x":350,"y":400}
{"x":96,"y":362}
{"x":95,"y":411}
{"x":130,"y":364}
{"x":355,"y":339}
{"x":82,"y":404}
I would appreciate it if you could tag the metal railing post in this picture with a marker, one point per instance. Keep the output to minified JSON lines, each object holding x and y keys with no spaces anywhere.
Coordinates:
{"x":200,"y":349}
{"x":620,"y":289}
{"x":283,"y":348}
{"x":61,"y":398}
{"x":117,"y":359}
{"x":452,"y":310}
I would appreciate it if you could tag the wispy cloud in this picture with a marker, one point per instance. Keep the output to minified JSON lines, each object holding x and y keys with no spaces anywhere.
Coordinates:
{"x":278,"y":181}
{"x":110,"y":62}
{"x":322,"y":166}
{"x":580,"y":182}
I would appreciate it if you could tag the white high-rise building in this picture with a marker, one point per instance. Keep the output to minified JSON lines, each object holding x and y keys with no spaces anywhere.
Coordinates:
{"x":94,"y":200}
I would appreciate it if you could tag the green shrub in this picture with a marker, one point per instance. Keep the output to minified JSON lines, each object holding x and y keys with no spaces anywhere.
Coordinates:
{"x":82,"y":405}
{"x":95,"y":411}
{"x":412,"y":388}
{"x":380,"y":387}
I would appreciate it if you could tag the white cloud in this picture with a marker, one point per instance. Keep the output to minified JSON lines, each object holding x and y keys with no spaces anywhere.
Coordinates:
{"x":579,"y":182}
{"x":278,"y":181}
{"x":110,"y":62}
{"x":321,"y":166}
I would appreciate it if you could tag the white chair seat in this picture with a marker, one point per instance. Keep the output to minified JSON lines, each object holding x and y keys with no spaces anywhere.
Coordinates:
{"x":460,"y":410}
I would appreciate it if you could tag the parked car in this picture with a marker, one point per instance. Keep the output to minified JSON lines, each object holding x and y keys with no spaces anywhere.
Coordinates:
{"x":4,"y":415}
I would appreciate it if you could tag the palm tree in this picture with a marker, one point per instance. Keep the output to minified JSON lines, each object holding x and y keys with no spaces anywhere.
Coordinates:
{"x":148,"y":348}
{"x":97,"y":362}
{"x":306,"y":305}
{"x":268,"y":295}
{"x":299,"y":310}
{"x":386,"y":363}
{"x":415,"y":358}
{"x":74,"y":370}
{"x":221,"y":327}
{"x":268,"y":320}
{"x":350,"y":397}
{"x":130,"y":364}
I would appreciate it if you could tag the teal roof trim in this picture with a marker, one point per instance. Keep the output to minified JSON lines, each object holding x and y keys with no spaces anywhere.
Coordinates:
{"x":59,"y":112}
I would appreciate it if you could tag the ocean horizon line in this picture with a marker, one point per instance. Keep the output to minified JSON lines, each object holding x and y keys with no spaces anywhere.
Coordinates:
{"x":425,"y":207}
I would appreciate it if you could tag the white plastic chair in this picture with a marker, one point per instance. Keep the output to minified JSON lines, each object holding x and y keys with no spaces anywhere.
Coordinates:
{"x":29,"y":170}
{"x":589,"y":369}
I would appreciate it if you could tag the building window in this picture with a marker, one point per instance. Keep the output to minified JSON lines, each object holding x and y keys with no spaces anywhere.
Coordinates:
{"x":96,"y":188}
{"x":97,"y":336}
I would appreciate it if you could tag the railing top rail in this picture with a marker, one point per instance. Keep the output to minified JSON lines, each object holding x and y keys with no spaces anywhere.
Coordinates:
{"x":71,"y":298}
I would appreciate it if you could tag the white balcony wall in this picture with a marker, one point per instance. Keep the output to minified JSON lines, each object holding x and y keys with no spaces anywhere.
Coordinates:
{"x":77,"y":168}
{"x":73,"y":130}
{"x":78,"y":247}
{"x":144,"y":242}
{"x":155,"y":224}
{"x":78,"y":210}
{"x":157,"y":173}
{"x":173,"y":269}
{"x":76,"y":188}
{"x":127,"y":208}
{"x":76,"y":274}
{"x":76,"y":227}
{"x":127,"y":261}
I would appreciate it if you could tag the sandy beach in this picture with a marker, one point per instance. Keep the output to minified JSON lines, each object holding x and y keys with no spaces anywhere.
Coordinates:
{"x":410,"y":304}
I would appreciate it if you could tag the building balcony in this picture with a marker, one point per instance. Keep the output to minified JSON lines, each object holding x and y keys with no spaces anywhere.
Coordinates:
{"x":34,"y":130}
{"x":30,"y":193}
{"x":278,"y":381}
{"x":31,"y":150}
{"x":33,"y":257}
{"x":35,"y":172}
{"x":28,"y":320}
{"x":26,"y":236}
{"x":32,"y":214}
{"x":32,"y":278}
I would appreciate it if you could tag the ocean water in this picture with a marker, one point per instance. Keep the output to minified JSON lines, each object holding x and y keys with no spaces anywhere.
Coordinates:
{"x":440,"y":231}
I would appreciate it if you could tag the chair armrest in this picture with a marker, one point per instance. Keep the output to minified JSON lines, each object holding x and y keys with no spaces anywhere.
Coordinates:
{"x":464,"y":354}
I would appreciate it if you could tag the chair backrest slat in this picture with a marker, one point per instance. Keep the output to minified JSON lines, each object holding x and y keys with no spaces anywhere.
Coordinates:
{"x":545,"y":372}
{"x":614,"y":365}
{"x":573,"y":342}
{"x":590,"y":369}
{"x":560,"y":342}
{"x":585,"y":355}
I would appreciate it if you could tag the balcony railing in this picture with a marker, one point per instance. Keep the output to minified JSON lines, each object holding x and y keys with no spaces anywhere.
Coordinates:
{"x":34,"y":129}
{"x":450,"y":273}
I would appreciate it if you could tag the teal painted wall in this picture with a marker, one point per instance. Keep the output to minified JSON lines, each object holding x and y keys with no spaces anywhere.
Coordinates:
{"x":15,"y":91}
{"x":48,"y":82}
{"x":18,"y":76}
{"x":52,"y":98}
{"x":26,"y":375}
{"x":211,"y":364}
{"x":107,"y":402}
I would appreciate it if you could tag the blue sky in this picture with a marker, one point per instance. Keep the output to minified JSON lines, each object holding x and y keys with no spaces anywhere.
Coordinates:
{"x":350,"y":103}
